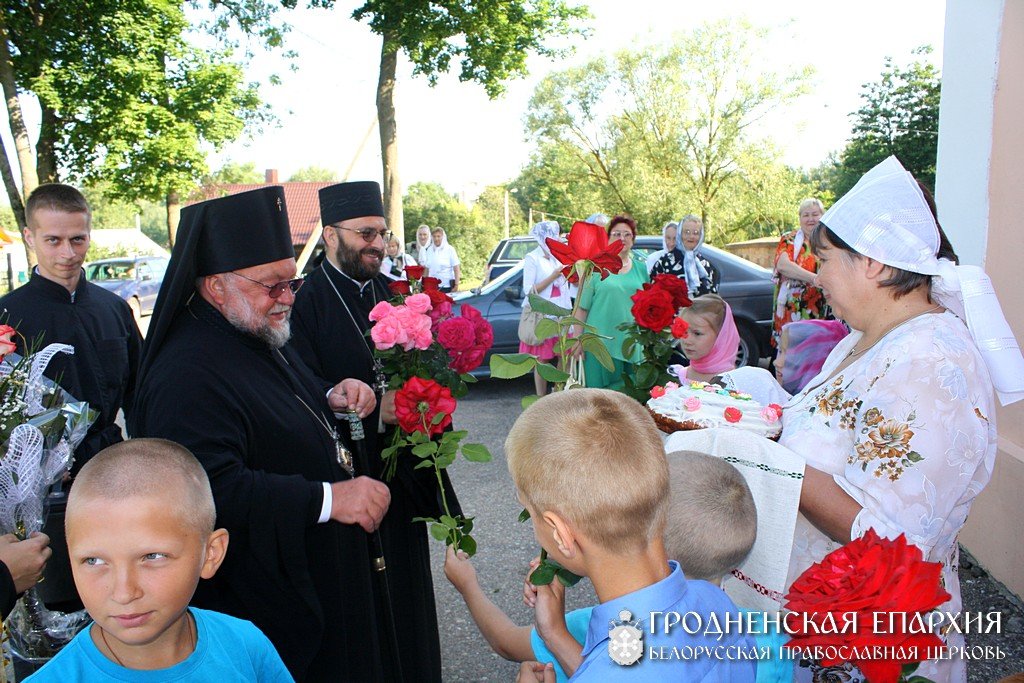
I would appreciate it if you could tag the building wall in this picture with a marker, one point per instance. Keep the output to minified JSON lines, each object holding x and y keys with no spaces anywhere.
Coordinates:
{"x":980,"y":193}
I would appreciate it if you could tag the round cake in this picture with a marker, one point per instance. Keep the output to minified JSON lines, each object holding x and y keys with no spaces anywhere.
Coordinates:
{"x":699,"y":405}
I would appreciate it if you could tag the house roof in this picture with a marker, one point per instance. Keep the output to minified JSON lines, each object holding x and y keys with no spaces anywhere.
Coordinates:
{"x":302,"y":201}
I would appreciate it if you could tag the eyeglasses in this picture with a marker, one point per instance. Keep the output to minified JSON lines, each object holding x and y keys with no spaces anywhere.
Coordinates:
{"x":691,"y":233}
{"x":368,"y":234}
{"x":275,"y":291}
{"x":621,"y":235}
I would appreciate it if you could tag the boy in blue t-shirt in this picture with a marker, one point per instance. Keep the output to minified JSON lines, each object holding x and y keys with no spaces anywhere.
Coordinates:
{"x":140,"y":532}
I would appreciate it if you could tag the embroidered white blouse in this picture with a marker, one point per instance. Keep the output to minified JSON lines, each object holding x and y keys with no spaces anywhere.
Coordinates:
{"x":908,"y":431}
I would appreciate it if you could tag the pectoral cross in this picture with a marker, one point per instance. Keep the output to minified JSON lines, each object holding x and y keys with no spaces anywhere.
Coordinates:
{"x":380,"y":380}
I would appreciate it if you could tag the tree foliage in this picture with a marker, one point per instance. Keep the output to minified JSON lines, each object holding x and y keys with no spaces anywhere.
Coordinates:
{"x":661,"y":131}
{"x":234,"y":173}
{"x":314,"y":174}
{"x":899,"y":116}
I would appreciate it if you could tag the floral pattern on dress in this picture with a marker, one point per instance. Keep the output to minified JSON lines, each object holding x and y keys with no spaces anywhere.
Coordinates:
{"x":805,"y":301}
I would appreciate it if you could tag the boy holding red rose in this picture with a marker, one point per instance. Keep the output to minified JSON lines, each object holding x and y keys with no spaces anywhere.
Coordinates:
{"x":590,"y":468}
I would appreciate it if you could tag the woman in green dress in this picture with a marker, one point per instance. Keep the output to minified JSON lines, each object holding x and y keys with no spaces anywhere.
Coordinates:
{"x":606,"y":304}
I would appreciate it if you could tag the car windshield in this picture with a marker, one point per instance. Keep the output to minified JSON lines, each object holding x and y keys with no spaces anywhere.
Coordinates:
{"x":516,"y":250}
{"x":111,"y":270}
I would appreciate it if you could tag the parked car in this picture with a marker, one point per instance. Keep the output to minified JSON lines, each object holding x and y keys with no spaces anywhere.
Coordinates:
{"x":135,"y":279}
{"x":745,"y":285}
{"x":506,"y":255}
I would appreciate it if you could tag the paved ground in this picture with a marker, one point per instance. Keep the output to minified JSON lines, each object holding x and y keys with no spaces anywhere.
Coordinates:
{"x":506,"y":547}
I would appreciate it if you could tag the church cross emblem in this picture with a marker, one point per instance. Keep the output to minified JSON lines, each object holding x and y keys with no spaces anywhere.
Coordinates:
{"x":279,"y":204}
{"x":625,"y":640}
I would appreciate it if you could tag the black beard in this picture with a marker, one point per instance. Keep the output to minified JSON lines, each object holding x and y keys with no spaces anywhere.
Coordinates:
{"x":351,"y":262}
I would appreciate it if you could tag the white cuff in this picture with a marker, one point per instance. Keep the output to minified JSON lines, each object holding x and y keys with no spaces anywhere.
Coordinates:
{"x":325,"y":509}
{"x":338,"y":416}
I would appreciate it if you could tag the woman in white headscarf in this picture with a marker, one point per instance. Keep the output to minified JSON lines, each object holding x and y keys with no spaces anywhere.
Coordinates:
{"x":542,"y":275}
{"x":418,"y":247}
{"x":898,"y":428}
{"x":669,"y":233}
{"x":686,"y":262}
{"x":442,"y":261}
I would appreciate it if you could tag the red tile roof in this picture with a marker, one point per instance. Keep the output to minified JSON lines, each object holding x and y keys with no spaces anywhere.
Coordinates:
{"x":301,"y":199}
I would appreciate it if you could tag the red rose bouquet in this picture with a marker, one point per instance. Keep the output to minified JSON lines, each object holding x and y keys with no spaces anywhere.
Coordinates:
{"x":656,"y":329}
{"x":882,"y":588}
{"x":426,"y":353}
{"x":586,"y":251}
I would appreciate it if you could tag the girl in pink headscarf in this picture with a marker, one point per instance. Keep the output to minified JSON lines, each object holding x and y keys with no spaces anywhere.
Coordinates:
{"x":712,"y":340}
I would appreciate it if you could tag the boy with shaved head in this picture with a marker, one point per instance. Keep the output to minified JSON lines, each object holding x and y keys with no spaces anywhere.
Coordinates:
{"x":140,"y":531}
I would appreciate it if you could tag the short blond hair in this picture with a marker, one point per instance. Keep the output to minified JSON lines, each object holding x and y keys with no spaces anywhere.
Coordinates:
{"x":712,"y":519}
{"x":810,"y":201}
{"x":712,"y":307}
{"x":148,"y":468}
{"x":596,"y":458}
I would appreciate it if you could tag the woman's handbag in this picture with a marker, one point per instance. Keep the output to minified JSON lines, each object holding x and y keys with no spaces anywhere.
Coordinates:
{"x":528,"y":326}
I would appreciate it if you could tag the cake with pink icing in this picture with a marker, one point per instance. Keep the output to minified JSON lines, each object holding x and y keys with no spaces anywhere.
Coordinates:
{"x":699,"y":405}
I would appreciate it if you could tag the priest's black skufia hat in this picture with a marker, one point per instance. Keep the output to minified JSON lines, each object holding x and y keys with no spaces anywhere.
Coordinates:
{"x":217,"y":236}
{"x":350,"y":200}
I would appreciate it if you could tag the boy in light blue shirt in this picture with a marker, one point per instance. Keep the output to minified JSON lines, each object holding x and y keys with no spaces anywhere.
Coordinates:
{"x":140,"y":533}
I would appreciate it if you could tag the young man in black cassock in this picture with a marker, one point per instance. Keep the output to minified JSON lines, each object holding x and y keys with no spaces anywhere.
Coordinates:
{"x":217,"y":378}
{"x":58,"y":305}
{"x":329,"y":332}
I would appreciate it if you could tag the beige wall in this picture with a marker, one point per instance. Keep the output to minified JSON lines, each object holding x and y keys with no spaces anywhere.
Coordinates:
{"x":995,"y":530}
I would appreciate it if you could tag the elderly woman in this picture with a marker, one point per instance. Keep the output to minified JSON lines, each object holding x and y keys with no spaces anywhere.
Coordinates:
{"x":796,"y":295}
{"x":442,"y":261}
{"x":417,"y":248}
{"x":898,"y":428}
{"x":669,"y":233}
{"x":606,"y":304}
{"x":686,"y":262}
{"x":542,"y":275}
{"x":394,"y":264}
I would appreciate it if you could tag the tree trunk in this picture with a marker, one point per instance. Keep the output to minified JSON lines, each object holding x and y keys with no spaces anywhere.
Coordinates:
{"x":22,"y":144}
{"x":173,"y":217}
{"x":389,"y":138}
{"x":46,"y":155}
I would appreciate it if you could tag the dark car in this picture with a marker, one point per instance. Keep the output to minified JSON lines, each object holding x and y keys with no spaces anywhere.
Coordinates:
{"x":745,"y":285}
{"x":509,"y":252}
{"x":135,"y":279}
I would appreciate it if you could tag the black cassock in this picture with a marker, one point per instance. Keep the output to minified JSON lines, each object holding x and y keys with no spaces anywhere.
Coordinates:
{"x":99,"y":324}
{"x":332,"y":346}
{"x":236,"y":405}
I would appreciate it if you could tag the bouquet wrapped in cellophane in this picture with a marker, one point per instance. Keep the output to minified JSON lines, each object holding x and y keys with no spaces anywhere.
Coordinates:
{"x":40,"y":427}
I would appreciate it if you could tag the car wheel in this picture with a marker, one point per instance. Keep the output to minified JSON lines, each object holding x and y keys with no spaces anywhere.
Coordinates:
{"x":136,"y":307}
{"x":749,"y":352}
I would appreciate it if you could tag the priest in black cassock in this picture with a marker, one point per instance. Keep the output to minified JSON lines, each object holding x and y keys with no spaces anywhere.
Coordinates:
{"x":217,"y":378}
{"x":330,"y":323}
{"x":58,"y":305}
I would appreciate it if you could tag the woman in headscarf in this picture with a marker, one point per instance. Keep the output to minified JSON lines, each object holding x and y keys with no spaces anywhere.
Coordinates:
{"x":669,"y":233}
{"x":418,"y":247}
{"x":542,"y":275}
{"x":686,"y":262}
{"x":606,"y":304}
{"x":898,"y":428}
{"x":797,"y":296}
{"x":442,"y":261}
{"x":804,"y":347}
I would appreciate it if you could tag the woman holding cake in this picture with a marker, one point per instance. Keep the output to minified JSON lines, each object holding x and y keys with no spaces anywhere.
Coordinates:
{"x":606,"y":304}
{"x":898,"y":428}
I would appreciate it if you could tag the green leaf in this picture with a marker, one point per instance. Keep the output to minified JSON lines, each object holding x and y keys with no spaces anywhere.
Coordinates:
{"x":390,"y":451}
{"x":425,"y":450}
{"x":449,"y":521}
{"x":524,"y":515}
{"x":439,"y":531}
{"x":551,"y":373}
{"x":528,"y":401}
{"x":476,"y":452}
{"x":429,"y":520}
{"x":628,"y":346}
{"x":547,"y":328}
{"x":423,"y":464}
{"x":511,"y":365}
{"x":454,"y":436}
{"x":646,"y":376}
{"x":545,"y":307}
{"x":466,"y":524}
{"x":438,"y":418}
{"x":543,"y":575}
{"x":567,"y":578}
{"x":467,"y":545}
{"x":468,"y":378}
{"x":914,"y":456}
{"x":596,"y":348}
{"x":444,"y":460}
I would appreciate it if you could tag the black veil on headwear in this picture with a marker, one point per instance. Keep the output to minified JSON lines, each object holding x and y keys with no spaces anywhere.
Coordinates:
{"x":217,"y":236}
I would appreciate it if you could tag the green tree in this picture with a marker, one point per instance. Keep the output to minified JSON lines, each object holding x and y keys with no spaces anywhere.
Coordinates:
{"x":664,"y":130}
{"x":314,"y":174}
{"x":234,"y":173}
{"x":490,"y":40}
{"x":899,"y":116}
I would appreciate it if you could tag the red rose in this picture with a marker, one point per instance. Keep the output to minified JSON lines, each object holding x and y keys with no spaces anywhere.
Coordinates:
{"x":587,"y":242}
{"x":7,"y":344}
{"x":437,"y":297}
{"x":653,"y":309}
{"x":676,"y":286}
{"x":467,"y":361}
{"x":657,"y":392}
{"x":867,"y":576}
{"x":467,"y":311}
{"x":418,"y":401}
{"x":680,"y":328}
{"x":414,"y":272}
{"x":399,"y":287}
{"x":456,"y":334}
{"x":431,"y":283}
{"x":484,"y":333}
{"x":733,"y":415}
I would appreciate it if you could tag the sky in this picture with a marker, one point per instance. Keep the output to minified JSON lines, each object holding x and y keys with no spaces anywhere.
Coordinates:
{"x":453,"y":134}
